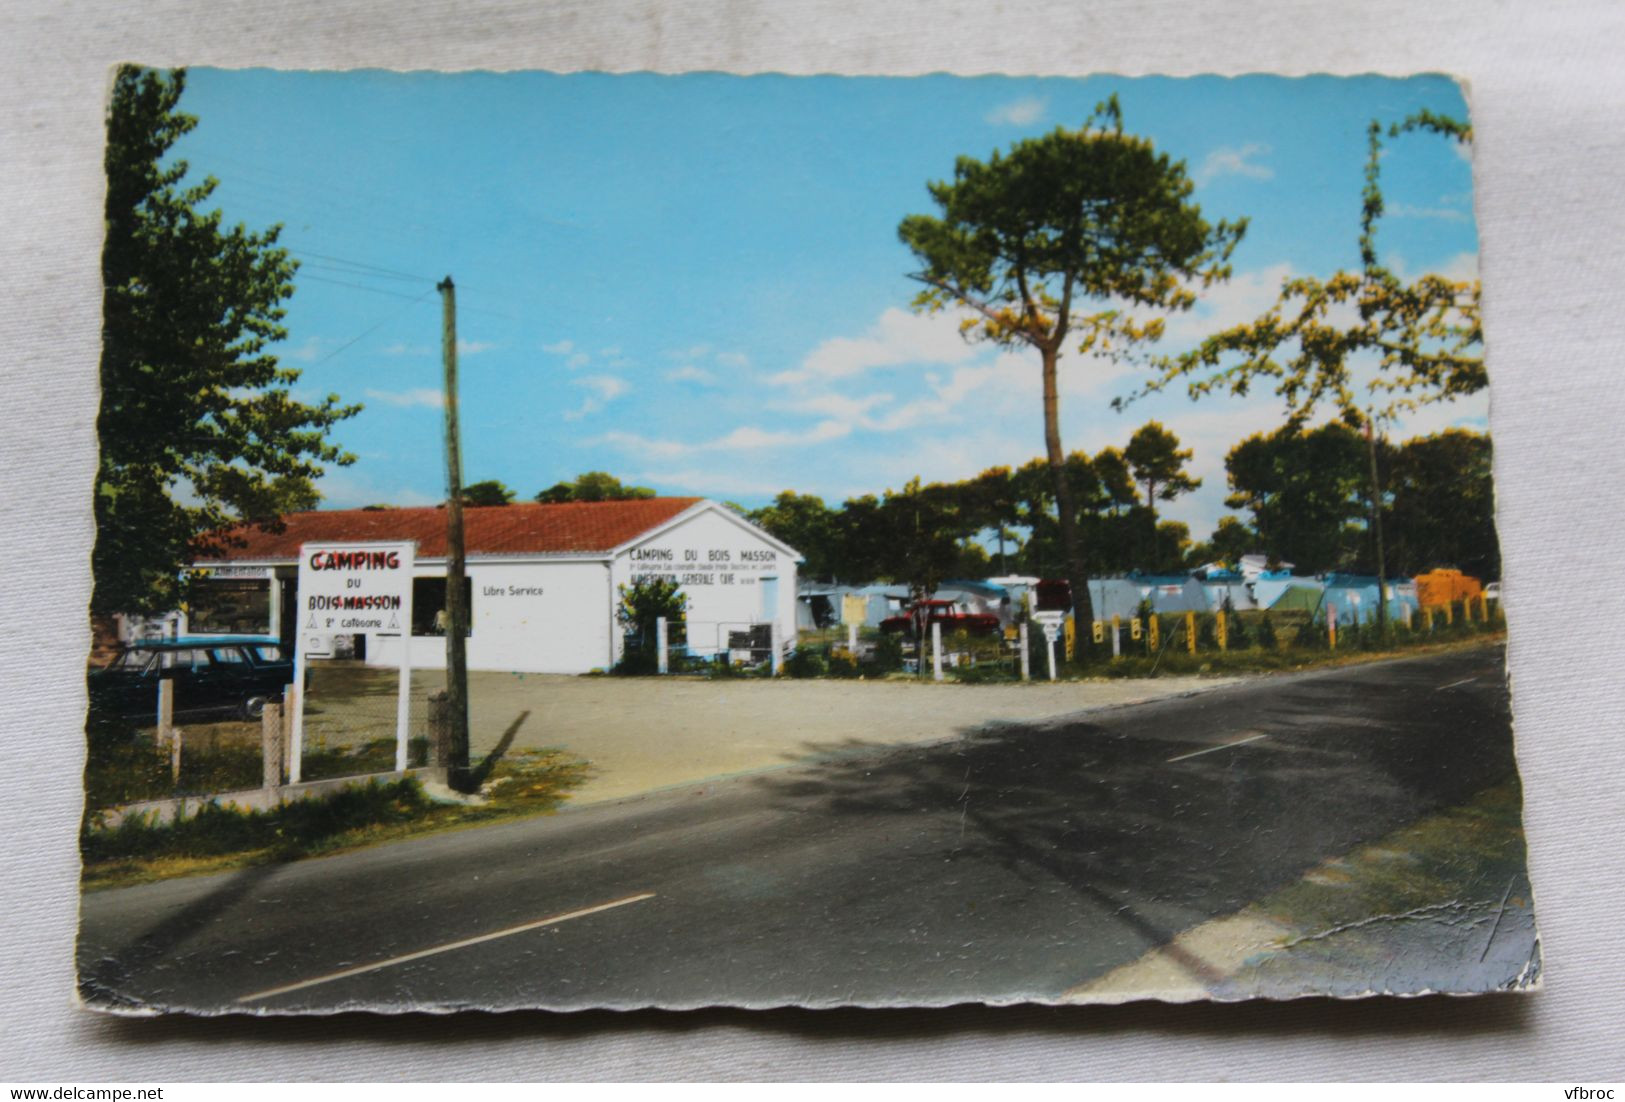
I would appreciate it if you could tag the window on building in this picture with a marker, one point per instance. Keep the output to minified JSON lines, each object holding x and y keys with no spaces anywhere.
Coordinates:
{"x":429,"y":605}
{"x":230,"y":606}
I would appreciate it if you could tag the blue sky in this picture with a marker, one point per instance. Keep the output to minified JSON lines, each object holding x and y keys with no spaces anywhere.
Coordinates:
{"x":695,"y":282}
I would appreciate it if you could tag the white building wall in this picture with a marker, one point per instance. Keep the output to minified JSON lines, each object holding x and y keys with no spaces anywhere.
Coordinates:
{"x":531,"y":617}
{"x":720,"y":565}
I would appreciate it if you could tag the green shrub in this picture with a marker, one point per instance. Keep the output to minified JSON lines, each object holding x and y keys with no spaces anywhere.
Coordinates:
{"x":1266,"y":633}
{"x":806,"y":662}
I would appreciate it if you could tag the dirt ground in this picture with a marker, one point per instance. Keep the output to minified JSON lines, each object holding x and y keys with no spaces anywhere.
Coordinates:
{"x":644,"y":734}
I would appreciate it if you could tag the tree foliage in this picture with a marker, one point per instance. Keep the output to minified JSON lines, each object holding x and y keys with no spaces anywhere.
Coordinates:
{"x":489,"y":492}
{"x":1058,"y":241}
{"x":1425,"y":336}
{"x":198,"y":427}
{"x":1304,"y":490}
{"x":1158,"y":462}
{"x":593,"y":486}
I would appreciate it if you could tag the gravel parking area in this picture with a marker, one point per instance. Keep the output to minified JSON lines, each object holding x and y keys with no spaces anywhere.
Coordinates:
{"x":644,"y":734}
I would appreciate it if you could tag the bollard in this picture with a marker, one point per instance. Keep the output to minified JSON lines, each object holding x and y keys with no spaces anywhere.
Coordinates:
{"x":1152,"y":631}
{"x":439,"y":730}
{"x":271,"y":745}
{"x":661,"y":664}
{"x":1134,"y":629}
{"x":1070,"y":629}
{"x":1025,"y":672}
{"x":936,"y":650}
{"x":1117,"y":641}
{"x":852,"y":640}
{"x":1408,"y":617}
{"x":175,"y":756}
{"x":778,"y":657}
{"x":1221,"y":629}
{"x":166,"y":710}
{"x":1098,"y":630}
{"x":1190,"y":632}
{"x":1331,"y":626}
{"x":1449,"y":612}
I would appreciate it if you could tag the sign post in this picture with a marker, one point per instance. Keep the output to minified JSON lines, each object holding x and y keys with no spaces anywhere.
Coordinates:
{"x":353,"y":589}
{"x":1051,"y":622}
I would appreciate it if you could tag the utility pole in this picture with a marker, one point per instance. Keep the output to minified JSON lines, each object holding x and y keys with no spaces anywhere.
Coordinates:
{"x":1376,"y":527}
{"x":456,"y":604}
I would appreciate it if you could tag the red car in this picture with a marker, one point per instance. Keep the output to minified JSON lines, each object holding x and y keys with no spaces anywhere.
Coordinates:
{"x":919,"y":618}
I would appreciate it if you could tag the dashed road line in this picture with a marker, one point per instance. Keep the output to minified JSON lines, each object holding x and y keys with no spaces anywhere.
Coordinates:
{"x":446,"y":948}
{"x":1221,"y":746}
{"x":1453,"y":684}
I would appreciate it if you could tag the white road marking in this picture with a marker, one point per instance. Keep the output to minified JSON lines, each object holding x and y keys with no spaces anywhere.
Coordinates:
{"x":1453,"y":684}
{"x":448,"y":947}
{"x":1221,"y":746}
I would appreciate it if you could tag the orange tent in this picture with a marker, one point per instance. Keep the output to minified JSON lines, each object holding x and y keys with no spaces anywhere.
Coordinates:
{"x":1441,"y":587}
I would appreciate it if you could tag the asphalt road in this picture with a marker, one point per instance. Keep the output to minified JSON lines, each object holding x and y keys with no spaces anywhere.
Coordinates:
{"x":1000,"y":865}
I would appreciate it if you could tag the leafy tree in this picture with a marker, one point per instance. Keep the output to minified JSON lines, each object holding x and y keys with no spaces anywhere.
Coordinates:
{"x":1442,"y":505}
{"x":489,"y":492}
{"x":1426,"y":336}
{"x":646,"y":600}
{"x":198,"y":427}
{"x":1157,"y":461}
{"x":1231,"y":539}
{"x":1304,"y":489}
{"x":807,"y":524}
{"x":593,"y":486}
{"x":1058,"y":240}
{"x":925,"y":529}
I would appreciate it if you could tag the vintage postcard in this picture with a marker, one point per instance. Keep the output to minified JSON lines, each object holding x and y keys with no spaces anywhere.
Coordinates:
{"x":572,"y":541}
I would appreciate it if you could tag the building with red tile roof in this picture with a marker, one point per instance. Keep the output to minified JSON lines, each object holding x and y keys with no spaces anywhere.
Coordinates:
{"x":544,"y":581}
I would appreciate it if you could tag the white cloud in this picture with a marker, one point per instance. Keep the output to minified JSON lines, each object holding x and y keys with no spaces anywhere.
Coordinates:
{"x":744,"y":438}
{"x":733,"y":359}
{"x":1460,"y":268}
{"x":473,"y":348}
{"x":306,"y":352}
{"x":580,"y":359}
{"x":559,"y":348}
{"x":898,"y":337}
{"x":710,"y":483}
{"x":401,"y":348}
{"x":607,"y":387}
{"x":1410,"y":210}
{"x":1234,"y":161}
{"x":418,"y":396}
{"x":1021,"y":112}
{"x":691,"y":374}
{"x":604,"y":389}
{"x":612,"y":350}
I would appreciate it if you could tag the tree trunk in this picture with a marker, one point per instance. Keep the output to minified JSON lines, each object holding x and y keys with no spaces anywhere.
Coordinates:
{"x":1076,"y":575}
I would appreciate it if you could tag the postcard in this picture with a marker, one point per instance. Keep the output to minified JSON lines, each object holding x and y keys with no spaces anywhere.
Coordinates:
{"x":609,"y":541}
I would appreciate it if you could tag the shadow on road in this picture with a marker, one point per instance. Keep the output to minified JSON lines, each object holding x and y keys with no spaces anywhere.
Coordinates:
{"x":1096,"y":805}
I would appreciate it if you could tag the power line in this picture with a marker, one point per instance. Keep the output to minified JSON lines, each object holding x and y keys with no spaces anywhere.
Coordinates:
{"x":362,"y":264}
{"x":355,"y":286}
{"x":372,"y":329}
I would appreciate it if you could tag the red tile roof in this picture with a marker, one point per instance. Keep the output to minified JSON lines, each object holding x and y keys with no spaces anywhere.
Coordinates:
{"x":597,"y":526}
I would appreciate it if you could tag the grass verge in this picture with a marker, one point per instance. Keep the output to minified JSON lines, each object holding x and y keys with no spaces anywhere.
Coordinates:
{"x":138,"y":850}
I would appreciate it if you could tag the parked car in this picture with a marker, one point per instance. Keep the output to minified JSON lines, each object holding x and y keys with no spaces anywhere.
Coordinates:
{"x":212,"y":674}
{"x":919,"y":618}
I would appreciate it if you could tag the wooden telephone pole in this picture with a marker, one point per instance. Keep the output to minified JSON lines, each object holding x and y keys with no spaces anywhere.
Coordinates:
{"x":456,"y":602}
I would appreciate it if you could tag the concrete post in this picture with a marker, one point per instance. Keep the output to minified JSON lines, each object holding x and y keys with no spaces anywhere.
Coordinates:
{"x":778,"y":658}
{"x":175,"y":756}
{"x":1050,"y":649}
{"x":271,"y":745}
{"x":852,"y":640}
{"x":1331,"y":626}
{"x":290,"y":712}
{"x":166,"y":709}
{"x":936,"y":651}
{"x":1026,"y":673}
{"x":1117,"y":640}
{"x":439,"y":731}
{"x":662,"y":660}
